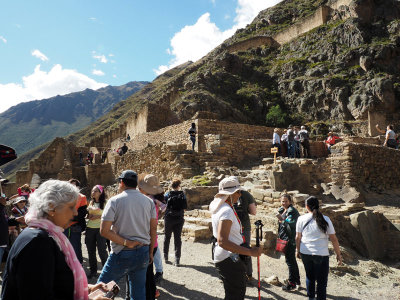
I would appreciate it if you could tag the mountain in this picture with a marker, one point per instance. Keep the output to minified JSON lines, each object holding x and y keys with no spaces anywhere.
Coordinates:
{"x":299,"y":61}
{"x":31,"y":124}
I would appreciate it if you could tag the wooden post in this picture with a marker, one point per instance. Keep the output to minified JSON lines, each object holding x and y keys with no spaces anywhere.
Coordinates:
{"x":274,"y":150}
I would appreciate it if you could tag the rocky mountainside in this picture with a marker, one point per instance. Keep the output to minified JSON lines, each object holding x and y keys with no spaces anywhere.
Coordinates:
{"x":337,"y":71}
{"x":30,"y":124}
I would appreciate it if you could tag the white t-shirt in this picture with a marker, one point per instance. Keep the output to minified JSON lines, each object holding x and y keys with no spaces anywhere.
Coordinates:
{"x":313,"y":240}
{"x":225,"y":212}
{"x":390,"y":135}
{"x":275,"y":138}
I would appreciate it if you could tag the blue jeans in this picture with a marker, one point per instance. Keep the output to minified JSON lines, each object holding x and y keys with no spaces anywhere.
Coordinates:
{"x":132,"y":262}
{"x":193,"y":139}
{"x":2,"y":250}
{"x":158,"y":261}
{"x":317,"y":269}
{"x":73,"y":233}
{"x":291,"y":148}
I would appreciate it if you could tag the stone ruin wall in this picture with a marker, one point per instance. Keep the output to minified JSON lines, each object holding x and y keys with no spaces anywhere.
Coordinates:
{"x":320,"y":17}
{"x":106,"y":139}
{"x":252,"y":42}
{"x":370,"y":166}
{"x":162,"y":160}
{"x":177,"y":134}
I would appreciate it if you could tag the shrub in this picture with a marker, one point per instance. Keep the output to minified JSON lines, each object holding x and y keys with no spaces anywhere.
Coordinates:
{"x":276,"y":117}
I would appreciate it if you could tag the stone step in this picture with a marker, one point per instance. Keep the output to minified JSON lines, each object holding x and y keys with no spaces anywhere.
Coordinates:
{"x":200,"y":213}
{"x":196,"y":232}
{"x":199,"y":221}
{"x":192,"y":230}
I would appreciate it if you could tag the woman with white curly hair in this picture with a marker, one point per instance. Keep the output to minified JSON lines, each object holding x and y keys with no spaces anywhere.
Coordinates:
{"x":42,"y":263}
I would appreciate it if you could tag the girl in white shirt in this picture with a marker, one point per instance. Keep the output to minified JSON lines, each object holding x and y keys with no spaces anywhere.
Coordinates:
{"x":312,"y":233}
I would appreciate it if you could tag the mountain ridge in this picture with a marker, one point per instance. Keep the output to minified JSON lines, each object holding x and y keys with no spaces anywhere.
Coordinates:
{"x":30,"y":124}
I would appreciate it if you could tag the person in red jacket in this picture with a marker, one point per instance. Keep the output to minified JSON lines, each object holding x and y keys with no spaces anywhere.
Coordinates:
{"x":331,"y":140}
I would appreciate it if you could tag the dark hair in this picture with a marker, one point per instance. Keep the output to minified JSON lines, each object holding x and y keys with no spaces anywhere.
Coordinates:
{"x":131,"y":183}
{"x":75,"y":182}
{"x":175,"y":183}
{"x":285,"y":195}
{"x":193,"y":125}
{"x":159,"y":197}
{"x":390,"y":127}
{"x":313,"y":204}
{"x":102,"y":200}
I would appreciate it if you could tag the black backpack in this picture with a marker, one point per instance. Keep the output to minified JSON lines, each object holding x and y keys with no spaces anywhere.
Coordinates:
{"x":176,"y":201}
{"x":303,"y":136}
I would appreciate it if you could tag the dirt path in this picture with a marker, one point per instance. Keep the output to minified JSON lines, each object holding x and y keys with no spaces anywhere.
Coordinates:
{"x":197,"y":278}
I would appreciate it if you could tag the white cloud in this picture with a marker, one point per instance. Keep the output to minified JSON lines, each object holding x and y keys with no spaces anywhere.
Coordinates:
{"x":195,"y":41}
{"x":40,"y":55}
{"x":114,"y":76}
{"x":111,"y":55}
{"x":100,"y":57}
{"x":3,"y":39}
{"x":247,"y":10}
{"x":98,"y":72}
{"x":92,"y":19}
{"x":41,"y":85}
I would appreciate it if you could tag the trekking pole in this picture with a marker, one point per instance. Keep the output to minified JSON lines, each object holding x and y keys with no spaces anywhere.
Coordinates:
{"x":259,"y":226}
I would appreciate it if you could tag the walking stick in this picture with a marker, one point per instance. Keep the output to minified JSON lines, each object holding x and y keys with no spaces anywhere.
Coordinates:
{"x":259,"y":226}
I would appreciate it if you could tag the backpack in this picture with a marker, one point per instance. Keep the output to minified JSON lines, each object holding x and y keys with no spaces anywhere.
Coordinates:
{"x":176,"y":202}
{"x":303,"y":136}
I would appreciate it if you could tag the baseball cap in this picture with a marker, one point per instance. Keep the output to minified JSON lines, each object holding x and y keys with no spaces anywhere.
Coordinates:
{"x":128,"y":174}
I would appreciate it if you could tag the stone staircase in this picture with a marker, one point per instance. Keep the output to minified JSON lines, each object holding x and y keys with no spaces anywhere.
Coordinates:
{"x":197,"y":225}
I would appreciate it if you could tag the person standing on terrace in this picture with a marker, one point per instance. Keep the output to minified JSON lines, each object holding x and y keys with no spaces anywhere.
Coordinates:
{"x":276,"y":141}
{"x":192,"y":134}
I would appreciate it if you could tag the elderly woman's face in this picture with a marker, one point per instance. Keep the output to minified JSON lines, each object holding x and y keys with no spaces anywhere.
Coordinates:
{"x":62,"y":216}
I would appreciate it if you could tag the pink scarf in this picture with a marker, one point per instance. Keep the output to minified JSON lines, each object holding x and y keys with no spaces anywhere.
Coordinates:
{"x":56,"y":232}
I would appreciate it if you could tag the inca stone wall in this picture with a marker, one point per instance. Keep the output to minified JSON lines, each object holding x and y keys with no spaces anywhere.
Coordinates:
{"x":319,"y":18}
{"x":371,"y":166}
{"x":253,"y":42}
{"x":164,"y":160}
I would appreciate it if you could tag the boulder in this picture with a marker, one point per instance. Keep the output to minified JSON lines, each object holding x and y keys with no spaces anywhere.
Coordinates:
{"x":347,"y":194}
{"x":367,"y":225}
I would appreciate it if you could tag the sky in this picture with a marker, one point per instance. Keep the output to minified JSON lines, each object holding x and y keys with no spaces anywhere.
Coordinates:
{"x":56,"y":47}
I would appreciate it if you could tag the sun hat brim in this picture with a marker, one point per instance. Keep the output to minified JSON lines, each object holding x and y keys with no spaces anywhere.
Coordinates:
{"x":150,"y":189}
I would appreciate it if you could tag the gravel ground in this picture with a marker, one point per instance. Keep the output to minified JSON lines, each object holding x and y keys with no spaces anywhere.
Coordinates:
{"x":197,"y":278}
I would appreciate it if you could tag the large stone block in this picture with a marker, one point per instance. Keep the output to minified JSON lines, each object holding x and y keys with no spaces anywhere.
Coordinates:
{"x":290,"y":177}
{"x":367,"y":225}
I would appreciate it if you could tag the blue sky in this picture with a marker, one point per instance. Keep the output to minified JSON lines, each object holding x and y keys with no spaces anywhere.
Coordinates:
{"x":57,"y":47}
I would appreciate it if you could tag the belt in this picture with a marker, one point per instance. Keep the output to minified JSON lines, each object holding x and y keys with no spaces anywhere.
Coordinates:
{"x":134,"y":248}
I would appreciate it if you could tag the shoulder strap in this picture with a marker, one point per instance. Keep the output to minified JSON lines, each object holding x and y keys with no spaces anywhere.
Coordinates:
{"x":308,"y":222}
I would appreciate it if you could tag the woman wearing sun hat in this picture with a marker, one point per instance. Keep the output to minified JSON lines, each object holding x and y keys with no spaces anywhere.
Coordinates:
{"x":229,"y":236}
{"x":149,"y":185}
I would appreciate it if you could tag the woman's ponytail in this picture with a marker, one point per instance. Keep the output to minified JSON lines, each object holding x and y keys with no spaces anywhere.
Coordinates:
{"x":313,"y":203}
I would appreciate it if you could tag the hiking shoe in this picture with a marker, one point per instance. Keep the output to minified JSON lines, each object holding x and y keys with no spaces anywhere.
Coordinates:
{"x":176,"y":263}
{"x":157,"y":277}
{"x":289,"y":287}
{"x":166,"y":259}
